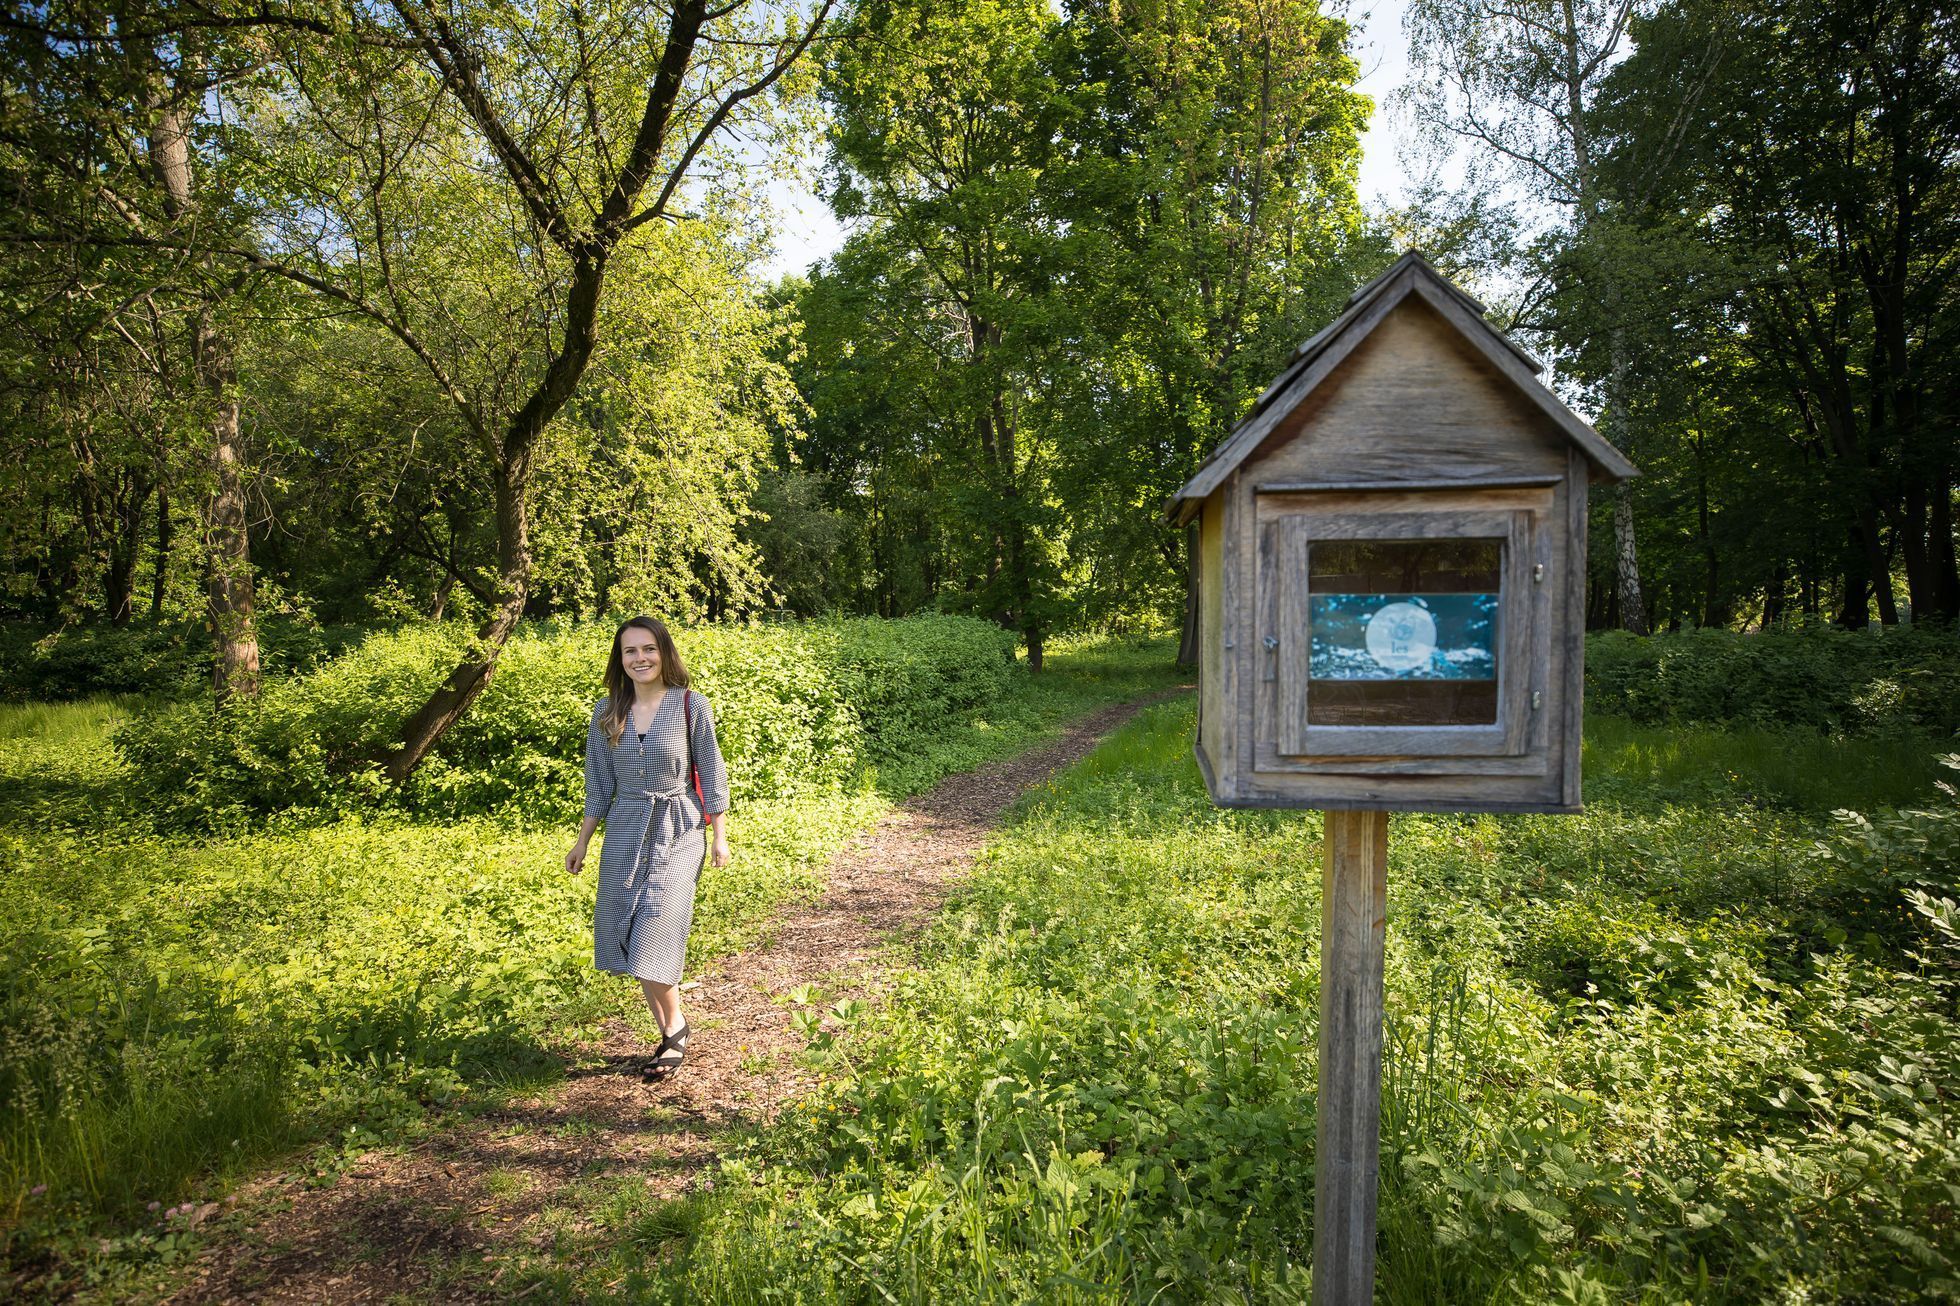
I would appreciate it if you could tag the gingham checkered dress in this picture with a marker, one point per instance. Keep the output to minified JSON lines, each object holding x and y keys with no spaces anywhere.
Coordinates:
{"x":655,"y":840}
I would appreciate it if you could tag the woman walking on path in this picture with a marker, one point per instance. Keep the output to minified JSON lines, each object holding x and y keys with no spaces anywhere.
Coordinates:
{"x":654,"y":775}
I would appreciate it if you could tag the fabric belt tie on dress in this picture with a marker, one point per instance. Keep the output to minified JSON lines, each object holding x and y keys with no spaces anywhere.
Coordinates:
{"x":667,"y":820}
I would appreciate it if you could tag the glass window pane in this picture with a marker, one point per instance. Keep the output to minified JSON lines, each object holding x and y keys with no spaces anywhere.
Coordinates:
{"x":1403,"y":632}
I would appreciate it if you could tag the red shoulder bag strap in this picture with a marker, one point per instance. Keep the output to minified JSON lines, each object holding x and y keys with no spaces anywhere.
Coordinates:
{"x":693,"y":771}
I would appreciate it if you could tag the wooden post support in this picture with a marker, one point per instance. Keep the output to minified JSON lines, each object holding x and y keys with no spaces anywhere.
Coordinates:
{"x":1354,"y":912}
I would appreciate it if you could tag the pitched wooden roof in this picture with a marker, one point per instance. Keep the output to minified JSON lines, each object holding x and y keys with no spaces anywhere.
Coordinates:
{"x":1315,"y":360}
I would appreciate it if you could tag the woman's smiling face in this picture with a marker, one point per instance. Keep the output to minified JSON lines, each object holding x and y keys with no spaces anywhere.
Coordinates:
{"x":640,"y":655}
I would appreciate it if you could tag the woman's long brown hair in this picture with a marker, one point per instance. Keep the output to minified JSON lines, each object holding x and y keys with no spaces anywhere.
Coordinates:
{"x":619,"y":685}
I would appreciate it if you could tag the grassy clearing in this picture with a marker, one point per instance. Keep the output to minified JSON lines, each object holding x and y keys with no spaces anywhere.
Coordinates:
{"x":179,"y":1010}
{"x":1748,"y":767}
{"x":1689,"y":1046}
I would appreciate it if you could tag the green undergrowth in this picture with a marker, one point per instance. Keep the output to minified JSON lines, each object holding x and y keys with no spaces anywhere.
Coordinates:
{"x":1875,"y":682}
{"x":809,"y":707}
{"x":1694,"y":1045}
{"x":180,"y":1009}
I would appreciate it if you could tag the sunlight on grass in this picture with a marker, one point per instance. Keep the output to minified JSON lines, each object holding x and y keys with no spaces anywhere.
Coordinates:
{"x":1771,"y":768}
{"x":1615,"y":1042}
{"x":180,"y":1007}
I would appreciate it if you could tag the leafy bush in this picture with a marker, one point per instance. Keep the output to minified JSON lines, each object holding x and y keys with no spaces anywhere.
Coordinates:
{"x":1821,"y":678}
{"x":799,"y":708}
{"x":170,"y":660}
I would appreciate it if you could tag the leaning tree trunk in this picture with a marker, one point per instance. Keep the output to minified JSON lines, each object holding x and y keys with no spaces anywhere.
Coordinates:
{"x":473,"y":673}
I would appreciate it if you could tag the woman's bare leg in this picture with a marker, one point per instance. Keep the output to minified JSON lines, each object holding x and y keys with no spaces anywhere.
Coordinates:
{"x":664,"y":1001}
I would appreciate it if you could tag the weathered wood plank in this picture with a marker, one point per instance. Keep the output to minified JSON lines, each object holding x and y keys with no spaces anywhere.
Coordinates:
{"x":1272,"y":762}
{"x":1404,"y":793}
{"x":1477,"y":499}
{"x":1353,"y":927}
{"x":1382,"y":416}
{"x":1572,"y":668}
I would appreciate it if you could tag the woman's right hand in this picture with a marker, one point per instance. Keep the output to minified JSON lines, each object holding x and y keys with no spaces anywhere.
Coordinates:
{"x":575,"y":859}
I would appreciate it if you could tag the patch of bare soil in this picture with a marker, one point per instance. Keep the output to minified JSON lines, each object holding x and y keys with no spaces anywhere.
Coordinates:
{"x":429,"y":1222}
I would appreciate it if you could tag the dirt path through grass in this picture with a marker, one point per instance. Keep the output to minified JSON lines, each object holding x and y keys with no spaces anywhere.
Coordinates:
{"x":454,"y":1216}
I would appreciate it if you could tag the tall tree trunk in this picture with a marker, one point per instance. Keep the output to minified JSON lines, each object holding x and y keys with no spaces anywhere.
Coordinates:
{"x":1626,"y":555}
{"x":1946,"y":568}
{"x":1854,"y":608}
{"x":124,"y":547}
{"x":161,"y":575}
{"x":1711,"y":605}
{"x":1878,"y":567}
{"x":229,"y":588}
{"x":1626,"y":563}
{"x":125,"y":541}
{"x":228,"y":548}
{"x":1187,"y":640}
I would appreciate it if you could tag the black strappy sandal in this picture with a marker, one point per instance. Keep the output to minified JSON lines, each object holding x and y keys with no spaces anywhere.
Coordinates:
{"x":667,"y":1061}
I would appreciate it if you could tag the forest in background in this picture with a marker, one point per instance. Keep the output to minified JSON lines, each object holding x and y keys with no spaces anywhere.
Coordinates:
{"x":357,"y":351}
{"x":372,"y":314}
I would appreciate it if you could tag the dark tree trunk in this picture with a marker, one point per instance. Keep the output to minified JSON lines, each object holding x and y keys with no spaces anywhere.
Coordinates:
{"x":1946,"y":572}
{"x":1187,"y":640}
{"x":1712,"y":608}
{"x":1854,"y":609}
{"x":1878,"y":567}
{"x":125,"y":545}
{"x":160,"y":577}
{"x":1773,"y":595}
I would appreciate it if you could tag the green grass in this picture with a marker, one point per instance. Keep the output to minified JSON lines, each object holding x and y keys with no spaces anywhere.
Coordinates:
{"x":178,"y":1010}
{"x":1746,"y":766}
{"x":1691,"y":1045}
{"x":1687,"y":1046}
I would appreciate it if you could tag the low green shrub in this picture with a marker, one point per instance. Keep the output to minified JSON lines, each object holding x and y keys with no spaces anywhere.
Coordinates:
{"x":1820,"y":678}
{"x":798,"y":708}
{"x":162,"y":659}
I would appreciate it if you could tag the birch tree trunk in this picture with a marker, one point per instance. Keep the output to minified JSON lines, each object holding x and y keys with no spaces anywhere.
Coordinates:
{"x":229,"y":588}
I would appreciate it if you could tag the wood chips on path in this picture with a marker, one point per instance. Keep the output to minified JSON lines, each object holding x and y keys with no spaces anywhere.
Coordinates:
{"x":433,"y":1221}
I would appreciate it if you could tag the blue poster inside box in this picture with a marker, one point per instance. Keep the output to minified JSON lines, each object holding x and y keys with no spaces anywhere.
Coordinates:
{"x":1403,"y":636}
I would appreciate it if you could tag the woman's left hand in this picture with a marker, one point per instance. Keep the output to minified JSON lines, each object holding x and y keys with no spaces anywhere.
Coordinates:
{"x":720,"y":854}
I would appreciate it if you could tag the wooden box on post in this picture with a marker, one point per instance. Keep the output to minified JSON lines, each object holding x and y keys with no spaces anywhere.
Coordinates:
{"x":1391,"y":613}
{"x":1392,"y":563}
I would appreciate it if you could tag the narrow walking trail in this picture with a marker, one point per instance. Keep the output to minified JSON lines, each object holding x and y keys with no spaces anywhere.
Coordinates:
{"x":442,"y":1220}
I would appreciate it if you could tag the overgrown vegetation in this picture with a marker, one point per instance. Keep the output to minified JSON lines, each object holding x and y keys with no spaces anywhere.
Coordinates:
{"x":1693,"y":1045}
{"x":178,"y":1009}
{"x":1819,"y":677}
{"x":807,"y":707}
{"x":165,"y":659}
{"x":1680,"y":1048}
